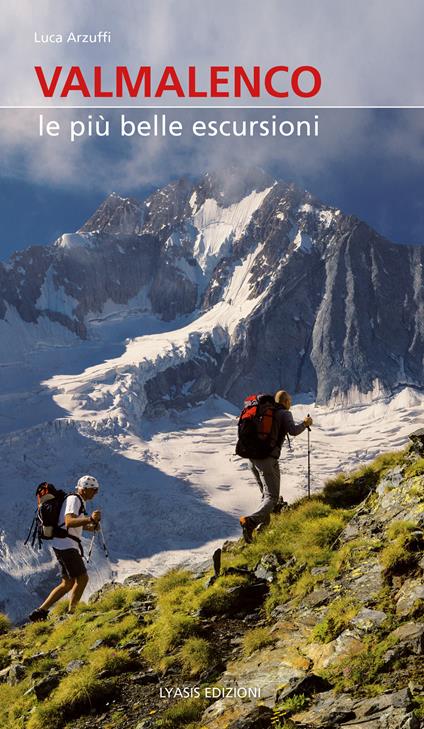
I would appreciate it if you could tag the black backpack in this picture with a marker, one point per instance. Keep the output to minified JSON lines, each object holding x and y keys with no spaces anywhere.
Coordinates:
{"x":45,"y":524}
{"x":257,"y":427}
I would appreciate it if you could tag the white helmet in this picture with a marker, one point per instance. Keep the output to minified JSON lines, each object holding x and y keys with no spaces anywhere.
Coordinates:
{"x":87,"y":482}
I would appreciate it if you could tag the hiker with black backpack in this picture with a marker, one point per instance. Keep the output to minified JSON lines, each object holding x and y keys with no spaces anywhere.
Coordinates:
{"x":70,"y":518}
{"x":264,"y":423}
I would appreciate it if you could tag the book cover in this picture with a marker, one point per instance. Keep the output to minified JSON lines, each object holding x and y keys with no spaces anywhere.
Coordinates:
{"x":203,"y":203}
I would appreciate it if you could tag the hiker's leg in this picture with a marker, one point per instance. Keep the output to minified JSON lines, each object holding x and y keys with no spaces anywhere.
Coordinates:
{"x":269,"y":470}
{"x":73,"y":565}
{"x":77,"y":590}
{"x":57,"y":593}
{"x":257,"y":476}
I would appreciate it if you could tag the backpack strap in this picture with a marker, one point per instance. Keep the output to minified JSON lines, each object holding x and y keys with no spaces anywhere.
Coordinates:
{"x":82,"y":509}
{"x":82,"y":504}
{"x":78,"y":541}
{"x":64,"y":532}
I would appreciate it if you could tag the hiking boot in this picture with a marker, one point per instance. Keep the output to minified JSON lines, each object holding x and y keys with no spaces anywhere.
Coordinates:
{"x":38,"y":614}
{"x":280,"y":506}
{"x":261,"y":527}
{"x":247,"y":527}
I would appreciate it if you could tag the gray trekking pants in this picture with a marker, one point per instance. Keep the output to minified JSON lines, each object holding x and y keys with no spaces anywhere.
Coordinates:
{"x":267,"y":474}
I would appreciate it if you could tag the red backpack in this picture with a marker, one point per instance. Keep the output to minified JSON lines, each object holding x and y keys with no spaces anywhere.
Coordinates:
{"x":257,"y":427}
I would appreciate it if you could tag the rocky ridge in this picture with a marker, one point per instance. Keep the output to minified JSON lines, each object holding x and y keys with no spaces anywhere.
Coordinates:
{"x":324,"y":303}
{"x":322,"y":615}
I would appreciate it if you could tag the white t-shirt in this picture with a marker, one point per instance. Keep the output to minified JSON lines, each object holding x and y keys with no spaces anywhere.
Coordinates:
{"x":71,"y":505}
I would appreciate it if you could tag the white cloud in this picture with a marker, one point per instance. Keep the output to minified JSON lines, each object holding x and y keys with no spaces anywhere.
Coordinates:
{"x":369,"y":52}
{"x":365,"y":52}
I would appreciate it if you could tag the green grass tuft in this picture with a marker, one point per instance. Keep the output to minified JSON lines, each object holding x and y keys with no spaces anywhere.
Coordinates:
{"x":4,"y":658}
{"x":61,"y":608}
{"x":287,"y":708}
{"x":400,"y":554}
{"x":5,"y":624}
{"x":415,"y":469}
{"x":346,"y":490}
{"x":46,"y":715}
{"x":183,"y":713}
{"x":419,"y":707}
{"x":115,"y":599}
{"x":76,"y":694}
{"x":196,"y":656}
{"x":353,"y":553}
{"x":172,"y":579}
{"x":166,"y":634}
{"x":349,"y":489}
{"x":38,"y":631}
{"x":113,"y":661}
{"x":255,"y":639}
{"x":324,"y":531}
{"x":338,"y":616}
{"x":364,"y":669}
{"x":219,"y":598}
{"x":13,"y":707}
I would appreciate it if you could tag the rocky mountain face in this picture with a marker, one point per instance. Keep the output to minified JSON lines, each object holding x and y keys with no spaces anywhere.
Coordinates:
{"x":343,"y":308}
{"x":315,"y":300}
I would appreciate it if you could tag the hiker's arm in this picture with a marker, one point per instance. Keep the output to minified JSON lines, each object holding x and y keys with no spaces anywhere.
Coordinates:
{"x":291,"y":427}
{"x":72,"y":520}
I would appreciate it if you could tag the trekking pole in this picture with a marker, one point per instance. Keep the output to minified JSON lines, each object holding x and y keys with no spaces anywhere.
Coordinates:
{"x":31,"y":532}
{"x":309,"y":461}
{"x":99,"y":532}
{"x":113,"y":572}
{"x":102,"y":538}
{"x":91,"y":547}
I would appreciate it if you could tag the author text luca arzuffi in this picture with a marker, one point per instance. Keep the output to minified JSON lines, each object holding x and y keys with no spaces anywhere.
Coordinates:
{"x":102,"y":36}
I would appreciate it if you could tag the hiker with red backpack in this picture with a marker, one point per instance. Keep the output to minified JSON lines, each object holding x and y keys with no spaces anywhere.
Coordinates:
{"x":264,"y":423}
{"x":62,"y":518}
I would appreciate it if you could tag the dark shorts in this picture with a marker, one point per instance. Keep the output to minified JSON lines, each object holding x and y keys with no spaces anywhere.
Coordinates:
{"x":71,"y":563}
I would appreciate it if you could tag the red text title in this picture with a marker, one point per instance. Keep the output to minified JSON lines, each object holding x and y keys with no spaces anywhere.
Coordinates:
{"x":222,"y":82}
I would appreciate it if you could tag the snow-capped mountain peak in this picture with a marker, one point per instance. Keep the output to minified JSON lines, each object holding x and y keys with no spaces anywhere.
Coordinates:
{"x":275,"y":257}
{"x":116,"y":216}
{"x":219,"y":227}
{"x":74,"y":240}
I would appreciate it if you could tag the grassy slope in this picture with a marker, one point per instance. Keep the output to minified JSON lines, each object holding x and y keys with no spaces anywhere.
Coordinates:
{"x":172,"y":635}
